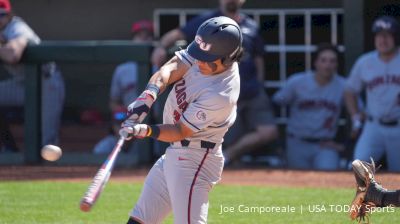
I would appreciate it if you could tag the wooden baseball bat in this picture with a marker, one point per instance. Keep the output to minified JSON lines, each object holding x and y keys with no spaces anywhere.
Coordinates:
{"x":100,"y":180}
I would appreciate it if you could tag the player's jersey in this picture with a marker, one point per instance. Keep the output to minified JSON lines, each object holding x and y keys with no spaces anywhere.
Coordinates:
{"x":382,"y":83}
{"x":123,"y":85}
{"x":204,"y":103}
{"x":314,"y":109}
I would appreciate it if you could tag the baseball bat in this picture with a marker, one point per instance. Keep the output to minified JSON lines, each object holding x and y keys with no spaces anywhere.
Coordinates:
{"x":100,"y":179}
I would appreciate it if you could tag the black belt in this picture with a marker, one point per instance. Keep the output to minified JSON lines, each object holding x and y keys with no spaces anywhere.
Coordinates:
{"x":203,"y":144}
{"x":310,"y":139}
{"x":383,"y":122}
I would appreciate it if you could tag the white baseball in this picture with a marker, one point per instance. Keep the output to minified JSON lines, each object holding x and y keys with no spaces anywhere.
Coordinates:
{"x":51,"y":152}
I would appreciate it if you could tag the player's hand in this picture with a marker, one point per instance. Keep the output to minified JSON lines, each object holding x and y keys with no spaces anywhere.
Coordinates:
{"x":138,"y":110}
{"x":159,"y":56}
{"x":130,"y":129}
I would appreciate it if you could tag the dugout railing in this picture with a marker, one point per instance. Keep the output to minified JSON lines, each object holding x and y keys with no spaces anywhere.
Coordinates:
{"x":74,"y":52}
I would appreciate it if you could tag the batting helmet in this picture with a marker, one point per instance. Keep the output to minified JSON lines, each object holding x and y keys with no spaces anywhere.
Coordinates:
{"x":217,"y":38}
{"x":385,"y":23}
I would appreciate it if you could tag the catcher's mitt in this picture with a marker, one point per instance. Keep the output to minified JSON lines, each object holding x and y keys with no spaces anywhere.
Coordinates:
{"x":369,"y":193}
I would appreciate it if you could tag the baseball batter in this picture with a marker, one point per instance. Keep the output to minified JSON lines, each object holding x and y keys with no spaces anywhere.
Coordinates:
{"x":315,"y":99}
{"x":199,"y":110}
{"x":378,"y":72}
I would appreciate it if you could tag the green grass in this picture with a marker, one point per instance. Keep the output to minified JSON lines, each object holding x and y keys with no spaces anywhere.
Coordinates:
{"x":57,"y":202}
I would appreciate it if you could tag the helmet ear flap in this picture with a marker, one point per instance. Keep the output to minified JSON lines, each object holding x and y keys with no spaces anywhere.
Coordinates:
{"x":236,"y":56}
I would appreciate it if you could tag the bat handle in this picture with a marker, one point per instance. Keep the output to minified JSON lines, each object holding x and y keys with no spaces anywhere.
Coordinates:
{"x":123,"y":133}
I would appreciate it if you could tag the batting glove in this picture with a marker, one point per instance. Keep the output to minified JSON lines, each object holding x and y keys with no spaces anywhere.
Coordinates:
{"x":130,"y":129}
{"x":138,"y":110}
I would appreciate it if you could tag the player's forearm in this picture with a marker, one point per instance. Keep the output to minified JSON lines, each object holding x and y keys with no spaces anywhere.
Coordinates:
{"x":259,"y":61}
{"x":351,"y":103}
{"x":169,"y":73}
{"x":171,"y":132}
{"x":280,"y":99}
{"x":12,"y":51}
{"x":171,"y":37}
{"x":9,"y":55}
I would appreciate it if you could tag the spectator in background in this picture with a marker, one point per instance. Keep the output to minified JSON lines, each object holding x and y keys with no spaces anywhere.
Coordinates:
{"x":378,"y":72}
{"x":315,"y":99}
{"x":123,"y":88}
{"x":254,"y":125}
{"x":125,"y":77}
{"x":15,"y":36}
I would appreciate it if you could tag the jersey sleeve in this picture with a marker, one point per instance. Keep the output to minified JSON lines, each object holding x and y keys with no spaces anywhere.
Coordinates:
{"x":206,"y":112}
{"x":20,"y":29}
{"x":286,"y":94}
{"x":184,"y":56}
{"x":354,"y":82}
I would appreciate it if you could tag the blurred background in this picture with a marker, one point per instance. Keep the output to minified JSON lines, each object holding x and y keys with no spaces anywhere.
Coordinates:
{"x":290,"y":30}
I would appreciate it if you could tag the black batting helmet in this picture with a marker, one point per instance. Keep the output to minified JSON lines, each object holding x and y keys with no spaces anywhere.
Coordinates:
{"x":386,"y":23}
{"x":217,"y":38}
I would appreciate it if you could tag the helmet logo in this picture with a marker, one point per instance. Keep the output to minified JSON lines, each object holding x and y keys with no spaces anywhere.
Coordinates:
{"x":203,"y":45}
{"x":384,"y":25}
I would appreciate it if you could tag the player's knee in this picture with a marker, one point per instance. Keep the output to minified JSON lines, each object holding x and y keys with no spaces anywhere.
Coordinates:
{"x":133,"y":221}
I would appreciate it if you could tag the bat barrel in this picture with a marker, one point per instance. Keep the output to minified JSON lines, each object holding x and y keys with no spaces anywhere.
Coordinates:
{"x":100,"y":180}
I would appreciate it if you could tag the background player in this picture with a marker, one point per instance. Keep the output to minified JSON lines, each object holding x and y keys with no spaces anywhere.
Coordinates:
{"x":124,"y":89}
{"x":15,"y":36}
{"x":315,"y":99}
{"x":255,"y":124}
{"x":379,"y":73}
{"x":124,"y":81}
{"x":199,"y":110}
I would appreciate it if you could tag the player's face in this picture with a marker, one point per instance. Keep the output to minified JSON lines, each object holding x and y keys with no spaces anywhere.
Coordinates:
{"x":230,"y":6}
{"x":384,"y":42}
{"x":211,"y":68}
{"x":326,"y":63}
{"x":143,"y":36}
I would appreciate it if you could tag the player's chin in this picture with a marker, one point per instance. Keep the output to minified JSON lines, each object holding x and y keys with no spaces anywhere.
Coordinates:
{"x":205,"y":72}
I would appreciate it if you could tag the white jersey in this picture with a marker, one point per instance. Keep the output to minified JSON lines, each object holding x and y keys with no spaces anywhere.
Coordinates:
{"x":314,"y":109}
{"x":204,"y":103}
{"x":17,"y":28}
{"x":382,"y":82}
{"x":124,"y":81}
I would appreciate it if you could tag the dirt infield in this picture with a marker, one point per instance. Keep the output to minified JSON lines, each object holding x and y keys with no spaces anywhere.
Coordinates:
{"x":258,"y":177}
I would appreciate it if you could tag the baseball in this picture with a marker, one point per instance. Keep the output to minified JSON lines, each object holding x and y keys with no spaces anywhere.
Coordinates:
{"x":51,"y":152}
